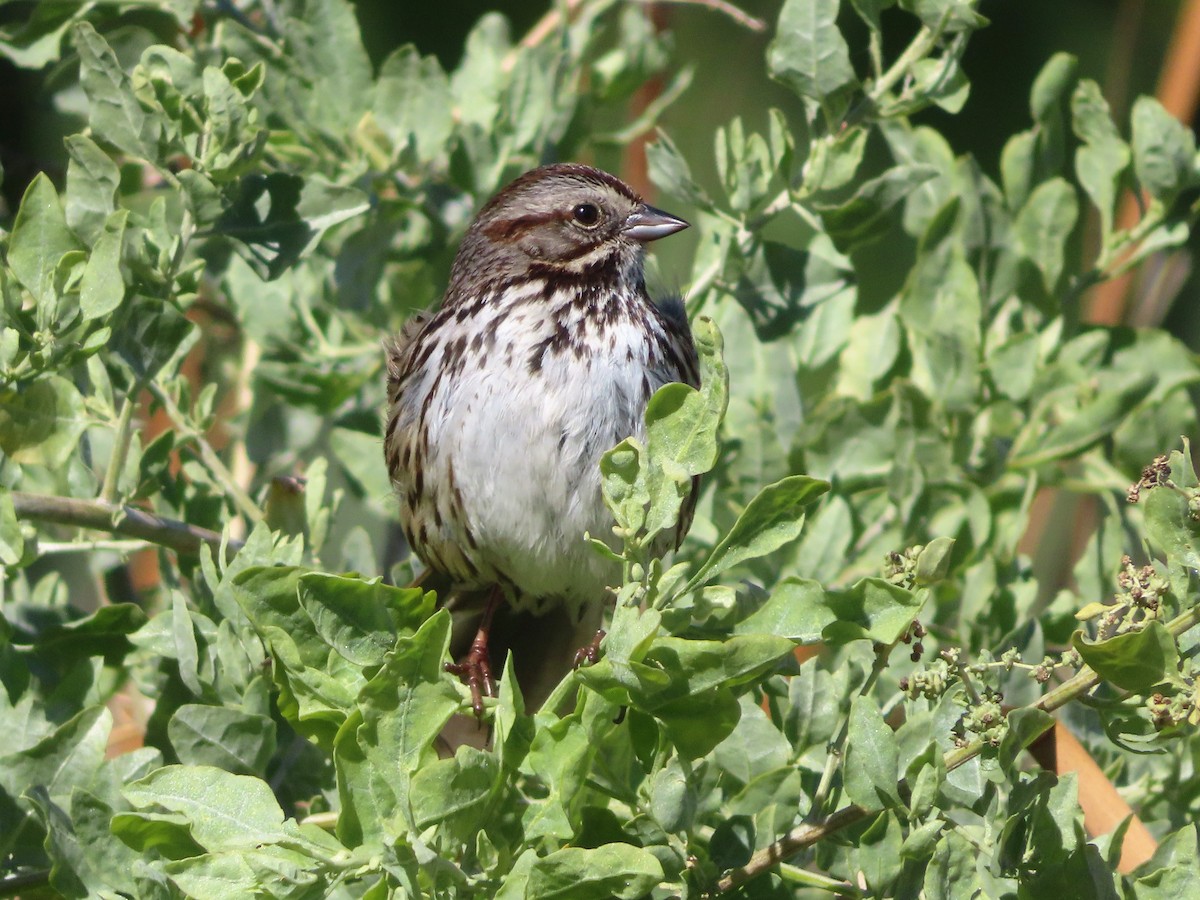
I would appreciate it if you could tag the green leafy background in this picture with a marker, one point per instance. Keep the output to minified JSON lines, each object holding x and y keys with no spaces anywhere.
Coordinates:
{"x":888,"y":301}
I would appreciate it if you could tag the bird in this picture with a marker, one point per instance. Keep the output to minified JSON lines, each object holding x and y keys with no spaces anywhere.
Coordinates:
{"x":542,"y":356}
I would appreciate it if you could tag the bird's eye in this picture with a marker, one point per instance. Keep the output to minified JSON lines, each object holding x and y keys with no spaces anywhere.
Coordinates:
{"x":586,"y":214}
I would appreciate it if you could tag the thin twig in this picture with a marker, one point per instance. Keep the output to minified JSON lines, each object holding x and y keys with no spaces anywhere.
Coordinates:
{"x":542,"y":29}
{"x":14,"y":885}
{"x":128,"y":520}
{"x":836,"y":748}
{"x":209,"y":457}
{"x":121,"y":442}
{"x":807,"y":835}
{"x":561,"y":14}
{"x":740,"y":16}
{"x":45,"y":548}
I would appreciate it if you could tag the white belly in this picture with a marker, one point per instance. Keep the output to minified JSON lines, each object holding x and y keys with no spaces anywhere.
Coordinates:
{"x":525,"y":450}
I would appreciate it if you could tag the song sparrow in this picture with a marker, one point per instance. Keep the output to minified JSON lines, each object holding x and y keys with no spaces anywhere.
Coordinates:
{"x":542,"y":356}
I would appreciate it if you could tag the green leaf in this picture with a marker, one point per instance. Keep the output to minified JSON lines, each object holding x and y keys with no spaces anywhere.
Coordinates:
{"x":732,"y":842}
{"x":691,"y":439}
{"x":1134,"y":661}
{"x":672,"y":798}
{"x":609,"y":871}
{"x":1050,"y":86}
{"x":413,"y":102}
{"x":871,"y":769}
{"x":151,"y":335}
{"x":92,"y":182}
{"x":948,"y":16}
{"x":941,"y":309}
{"x":773,"y":518}
{"x":12,"y":541}
{"x":698,"y":666}
{"x":115,"y":115}
{"x":669,"y":171}
{"x":67,"y":759}
{"x":681,"y":433}
{"x":69,"y":871}
{"x":359,"y":619}
{"x":1075,"y":430}
{"x":1025,"y":725}
{"x":455,"y":792}
{"x":278,"y":218}
{"x":779,"y":286}
{"x":810,"y":56}
{"x":39,"y":240}
{"x":103,"y":633}
{"x":863,"y":218}
{"x":102,"y":288}
{"x":1017,"y":163}
{"x":228,"y":875}
{"x":361,"y":455}
{"x":41,"y":423}
{"x":33,"y":40}
{"x":873,"y":609}
{"x":696,"y":724}
{"x":187,"y":652}
{"x":233,"y":140}
{"x":1043,"y":227}
{"x":623,"y":483}
{"x":230,"y":739}
{"x":89,"y":847}
{"x":223,"y":811}
{"x":1170,"y":525}
{"x":317,"y":686}
{"x":1014,"y":365}
{"x":933,"y":562}
{"x":951,"y":873}
{"x":403,"y":708}
{"x":325,"y":44}
{"x":1104,"y":157}
{"x":165,"y":833}
{"x":795,"y":610}
{"x":1173,"y":870}
{"x":1163,"y":149}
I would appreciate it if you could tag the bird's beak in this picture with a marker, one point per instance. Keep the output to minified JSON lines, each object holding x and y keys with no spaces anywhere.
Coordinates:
{"x":649,"y":224}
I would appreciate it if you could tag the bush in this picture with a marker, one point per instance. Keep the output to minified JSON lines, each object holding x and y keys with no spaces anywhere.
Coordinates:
{"x":191,"y":320}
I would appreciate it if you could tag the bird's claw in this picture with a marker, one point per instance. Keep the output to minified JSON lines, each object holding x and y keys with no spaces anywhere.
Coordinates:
{"x":476,"y":673}
{"x":591,"y":653}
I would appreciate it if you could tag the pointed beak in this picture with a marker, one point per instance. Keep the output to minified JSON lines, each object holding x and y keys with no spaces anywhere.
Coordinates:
{"x":647,"y":224}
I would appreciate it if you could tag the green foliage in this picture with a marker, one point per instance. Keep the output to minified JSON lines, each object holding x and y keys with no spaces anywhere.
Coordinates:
{"x":893,"y":365}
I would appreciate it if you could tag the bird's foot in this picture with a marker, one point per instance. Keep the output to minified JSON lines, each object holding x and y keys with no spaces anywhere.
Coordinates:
{"x":591,"y":652}
{"x":475,"y":670}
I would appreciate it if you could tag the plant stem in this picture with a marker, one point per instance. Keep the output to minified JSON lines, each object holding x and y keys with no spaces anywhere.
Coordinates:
{"x":837,"y":745}
{"x":796,"y":875}
{"x":919,"y":48}
{"x":797,"y":839}
{"x":720,"y":6}
{"x":121,"y":441}
{"x":807,"y":835}
{"x":128,"y":520}
{"x":15,"y":885}
{"x":209,"y":457}
{"x":45,"y":548}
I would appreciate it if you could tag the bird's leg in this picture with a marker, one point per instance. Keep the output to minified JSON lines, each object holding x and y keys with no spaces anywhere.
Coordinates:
{"x":591,"y":652}
{"x":476,"y":669}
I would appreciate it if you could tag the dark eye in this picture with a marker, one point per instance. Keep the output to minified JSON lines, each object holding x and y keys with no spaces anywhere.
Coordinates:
{"x":586,"y":214}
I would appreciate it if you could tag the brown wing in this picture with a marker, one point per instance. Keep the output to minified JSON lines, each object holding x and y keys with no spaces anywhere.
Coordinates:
{"x":399,"y":351}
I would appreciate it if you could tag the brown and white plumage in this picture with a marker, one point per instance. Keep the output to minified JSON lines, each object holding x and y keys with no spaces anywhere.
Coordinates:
{"x":542,"y":356}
